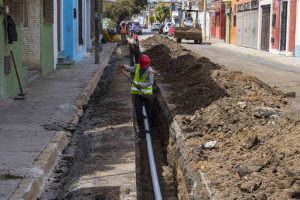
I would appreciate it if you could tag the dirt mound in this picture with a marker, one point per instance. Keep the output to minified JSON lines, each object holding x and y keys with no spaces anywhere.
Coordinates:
{"x":257,"y":139}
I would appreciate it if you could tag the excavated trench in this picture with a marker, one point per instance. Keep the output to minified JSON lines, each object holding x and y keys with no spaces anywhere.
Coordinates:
{"x":92,"y":148}
{"x":163,"y":158}
{"x":172,"y":180}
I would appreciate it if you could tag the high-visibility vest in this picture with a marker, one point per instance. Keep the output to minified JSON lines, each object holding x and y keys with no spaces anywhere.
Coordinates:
{"x":137,"y":79}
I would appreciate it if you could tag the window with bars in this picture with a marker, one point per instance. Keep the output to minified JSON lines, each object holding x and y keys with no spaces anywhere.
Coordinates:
{"x":18,"y":9}
{"x":48,"y":11}
{"x":80,"y":24}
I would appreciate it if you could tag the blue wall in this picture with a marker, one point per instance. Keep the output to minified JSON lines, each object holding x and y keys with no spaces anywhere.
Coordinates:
{"x":71,"y":47}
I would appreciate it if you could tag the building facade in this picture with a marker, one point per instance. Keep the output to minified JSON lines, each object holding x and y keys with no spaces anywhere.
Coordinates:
{"x":268,"y":25}
{"x":37,"y":36}
{"x":74,"y":29}
{"x":246,"y":13}
{"x":8,"y":78}
{"x":283,"y":26}
{"x":50,"y":32}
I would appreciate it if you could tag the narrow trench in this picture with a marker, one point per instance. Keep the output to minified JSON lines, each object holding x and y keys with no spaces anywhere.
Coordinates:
{"x":87,"y":152}
{"x":163,"y":154}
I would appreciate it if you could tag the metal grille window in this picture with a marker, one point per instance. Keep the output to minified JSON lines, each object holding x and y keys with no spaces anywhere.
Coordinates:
{"x":48,"y":11}
{"x":16,"y":9}
{"x":25,"y":13}
{"x":240,"y":7}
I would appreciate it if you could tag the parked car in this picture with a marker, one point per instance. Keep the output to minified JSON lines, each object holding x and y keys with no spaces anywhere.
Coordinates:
{"x":138,"y":28}
{"x":155,"y":27}
{"x":166,"y":28}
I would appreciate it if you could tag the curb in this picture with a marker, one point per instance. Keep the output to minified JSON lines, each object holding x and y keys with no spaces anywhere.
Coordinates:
{"x":30,"y":187}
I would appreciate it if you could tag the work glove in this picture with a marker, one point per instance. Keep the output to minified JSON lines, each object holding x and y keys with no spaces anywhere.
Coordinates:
{"x":138,"y":86}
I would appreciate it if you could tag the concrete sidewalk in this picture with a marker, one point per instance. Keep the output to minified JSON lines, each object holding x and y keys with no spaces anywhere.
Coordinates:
{"x":287,"y":60}
{"x":34,"y":131}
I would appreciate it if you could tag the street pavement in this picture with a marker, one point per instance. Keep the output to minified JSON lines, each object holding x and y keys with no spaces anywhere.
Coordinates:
{"x":27,"y":150}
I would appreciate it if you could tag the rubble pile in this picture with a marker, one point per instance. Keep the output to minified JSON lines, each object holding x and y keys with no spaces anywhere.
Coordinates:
{"x":238,"y":130}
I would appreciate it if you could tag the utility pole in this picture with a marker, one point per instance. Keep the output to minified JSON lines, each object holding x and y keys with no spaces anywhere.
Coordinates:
{"x":204,"y":21}
{"x":97,"y":32}
{"x":100,"y":15}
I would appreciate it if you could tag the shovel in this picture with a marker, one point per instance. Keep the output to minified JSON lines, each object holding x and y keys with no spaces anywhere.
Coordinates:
{"x":126,"y":75}
{"x":22,"y":93}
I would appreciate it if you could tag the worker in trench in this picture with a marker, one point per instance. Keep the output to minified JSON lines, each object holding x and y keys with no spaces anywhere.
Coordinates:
{"x":141,"y":88}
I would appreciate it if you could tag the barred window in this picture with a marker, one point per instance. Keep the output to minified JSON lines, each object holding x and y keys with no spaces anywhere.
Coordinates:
{"x":17,"y":10}
{"x":48,"y":11}
{"x":25,"y":13}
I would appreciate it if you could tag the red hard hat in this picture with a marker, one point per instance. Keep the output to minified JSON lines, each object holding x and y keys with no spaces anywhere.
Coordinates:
{"x":135,"y":37}
{"x":144,"y":61}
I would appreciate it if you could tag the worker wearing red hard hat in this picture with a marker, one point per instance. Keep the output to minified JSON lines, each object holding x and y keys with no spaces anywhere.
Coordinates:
{"x":143,"y":76}
{"x":142,"y":84}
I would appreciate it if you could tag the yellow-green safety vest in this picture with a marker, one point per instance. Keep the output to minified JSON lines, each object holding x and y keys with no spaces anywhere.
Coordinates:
{"x":137,"y":80}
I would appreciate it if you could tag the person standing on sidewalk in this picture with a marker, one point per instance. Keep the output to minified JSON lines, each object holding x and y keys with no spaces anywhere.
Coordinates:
{"x":123,"y":32}
{"x":141,"y":87}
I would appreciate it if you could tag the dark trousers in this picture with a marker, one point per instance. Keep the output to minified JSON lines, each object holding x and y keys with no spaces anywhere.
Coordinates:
{"x":134,"y":54}
{"x":124,"y":39}
{"x":138,"y":102}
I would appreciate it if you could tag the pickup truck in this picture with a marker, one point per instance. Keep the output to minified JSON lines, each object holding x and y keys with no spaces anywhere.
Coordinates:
{"x":188,"y":33}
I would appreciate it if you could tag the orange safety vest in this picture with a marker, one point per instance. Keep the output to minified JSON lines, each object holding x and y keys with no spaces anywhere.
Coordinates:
{"x":123,"y":29}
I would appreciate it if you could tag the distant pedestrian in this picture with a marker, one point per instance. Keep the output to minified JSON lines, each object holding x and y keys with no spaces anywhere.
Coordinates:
{"x":123,"y":31}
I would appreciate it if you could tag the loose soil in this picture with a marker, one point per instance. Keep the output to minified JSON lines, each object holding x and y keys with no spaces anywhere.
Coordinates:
{"x":257,"y":136}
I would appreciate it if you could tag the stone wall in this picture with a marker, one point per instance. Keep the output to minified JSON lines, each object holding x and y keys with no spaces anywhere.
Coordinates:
{"x":31,"y":46}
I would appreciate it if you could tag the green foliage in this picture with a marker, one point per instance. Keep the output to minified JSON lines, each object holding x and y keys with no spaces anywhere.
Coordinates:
{"x":139,"y":5}
{"x":161,"y":13}
{"x":123,"y":9}
{"x":152,"y":19}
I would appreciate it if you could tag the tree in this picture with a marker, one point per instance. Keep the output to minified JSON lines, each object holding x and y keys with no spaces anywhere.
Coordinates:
{"x":161,"y":13}
{"x":139,"y":5}
{"x":123,"y":9}
{"x":152,"y":19}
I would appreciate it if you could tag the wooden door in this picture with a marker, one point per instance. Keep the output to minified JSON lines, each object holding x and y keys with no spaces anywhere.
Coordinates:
{"x":265,"y":28}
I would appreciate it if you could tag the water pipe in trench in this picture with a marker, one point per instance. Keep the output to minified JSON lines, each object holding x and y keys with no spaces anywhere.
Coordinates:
{"x":153,"y":171}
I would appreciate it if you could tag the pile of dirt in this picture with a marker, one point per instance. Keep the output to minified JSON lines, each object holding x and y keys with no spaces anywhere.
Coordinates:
{"x":256,"y":139}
